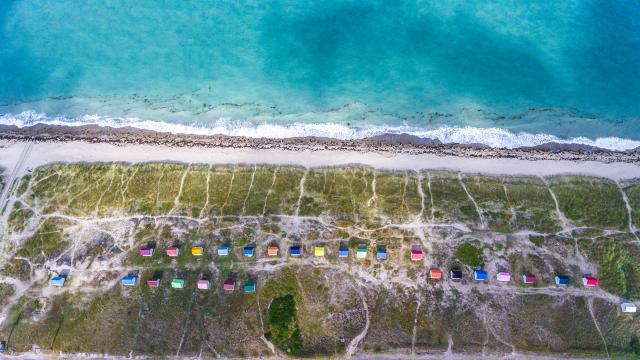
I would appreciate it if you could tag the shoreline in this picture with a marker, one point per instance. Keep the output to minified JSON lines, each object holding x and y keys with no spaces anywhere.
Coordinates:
{"x":387,"y":144}
{"x":18,"y":156}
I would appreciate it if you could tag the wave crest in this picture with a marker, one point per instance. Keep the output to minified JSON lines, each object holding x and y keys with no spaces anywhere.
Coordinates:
{"x":493,"y":137}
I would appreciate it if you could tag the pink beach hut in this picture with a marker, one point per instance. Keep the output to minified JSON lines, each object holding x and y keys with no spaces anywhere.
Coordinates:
{"x":204,"y":284}
{"x":503,"y":276}
{"x":229,"y":285}
{"x":416,"y":254}
{"x":589,"y":281}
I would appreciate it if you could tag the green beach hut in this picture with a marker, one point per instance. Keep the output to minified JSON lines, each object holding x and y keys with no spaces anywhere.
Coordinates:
{"x":177,"y":283}
{"x":250,"y":286}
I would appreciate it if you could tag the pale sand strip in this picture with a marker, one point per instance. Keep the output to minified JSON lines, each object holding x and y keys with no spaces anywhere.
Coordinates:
{"x":43,"y":153}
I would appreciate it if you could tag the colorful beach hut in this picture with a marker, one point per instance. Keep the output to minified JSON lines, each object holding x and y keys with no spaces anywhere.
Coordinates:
{"x":129,"y":280}
{"x":318,"y":251}
{"x":529,"y":279}
{"x":381,"y":254}
{"x":173,"y":251}
{"x":223,"y":250}
{"x":562,"y":280}
{"x":229,"y":285}
{"x":295,"y":251}
{"x":435,"y":274}
{"x":343,"y":252}
{"x":589,"y":281}
{"x":416,"y":254}
{"x":197,"y":251}
{"x":146,"y":252}
{"x":272,"y":251}
{"x":361,"y":252}
{"x":177,"y":283}
{"x":628,"y":307}
{"x":57,"y":281}
{"x":250,"y":286}
{"x":503,"y":276}
{"x":153,"y":283}
{"x":248,"y":251}
{"x":479,"y":275}
{"x":204,"y":284}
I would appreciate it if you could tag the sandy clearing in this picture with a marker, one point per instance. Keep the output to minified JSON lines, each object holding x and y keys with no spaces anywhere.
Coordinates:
{"x":43,"y":153}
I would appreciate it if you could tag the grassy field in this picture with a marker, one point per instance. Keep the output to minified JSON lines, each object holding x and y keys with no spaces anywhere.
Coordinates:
{"x":94,"y":218}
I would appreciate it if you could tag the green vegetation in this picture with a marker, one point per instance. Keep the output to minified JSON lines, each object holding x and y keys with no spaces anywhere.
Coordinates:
{"x":469,"y":255}
{"x":590,"y":201}
{"x":450,"y":202}
{"x":285,"y":333}
{"x":618,"y":265}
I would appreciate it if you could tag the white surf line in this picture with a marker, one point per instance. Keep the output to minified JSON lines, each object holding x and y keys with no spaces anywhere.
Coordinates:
{"x":595,"y":322}
{"x":564,"y":222}
{"x":268,"y":343}
{"x":632,"y":228}
{"x":353,"y":345}
{"x":244,"y":203}
{"x":415,"y":326}
{"x":206,"y":201}
{"x":478,"y":210}
{"x":374,"y":196}
{"x":266,"y":198}
{"x":302,"y":179}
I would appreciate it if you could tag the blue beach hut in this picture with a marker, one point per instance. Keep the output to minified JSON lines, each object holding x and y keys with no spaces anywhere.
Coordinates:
{"x":381,"y":254}
{"x":295,"y":251}
{"x":248,"y":251}
{"x":223,"y":250}
{"x":57,"y":281}
{"x":562,"y":280}
{"x":129,"y":280}
{"x":480,"y":275}
{"x":343,"y":252}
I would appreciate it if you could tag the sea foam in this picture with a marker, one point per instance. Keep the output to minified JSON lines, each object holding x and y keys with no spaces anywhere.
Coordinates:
{"x":492,"y":136}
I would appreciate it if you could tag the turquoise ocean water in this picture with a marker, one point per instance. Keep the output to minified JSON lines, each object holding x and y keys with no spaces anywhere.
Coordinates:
{"x":505,"y":73}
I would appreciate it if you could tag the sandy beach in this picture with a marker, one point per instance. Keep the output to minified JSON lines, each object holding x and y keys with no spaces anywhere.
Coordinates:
{"x":14,"y":153}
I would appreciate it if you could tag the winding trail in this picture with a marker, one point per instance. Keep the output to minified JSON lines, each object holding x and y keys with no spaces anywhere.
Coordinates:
{"x":353,"y":345}
{"x":625,"y":198}
{"x":478,"y":210}
{"x":595,"y":322}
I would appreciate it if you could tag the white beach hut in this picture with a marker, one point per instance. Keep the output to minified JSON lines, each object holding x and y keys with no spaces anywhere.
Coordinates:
{"x":628,"y":307}
{"x":503,"y":276}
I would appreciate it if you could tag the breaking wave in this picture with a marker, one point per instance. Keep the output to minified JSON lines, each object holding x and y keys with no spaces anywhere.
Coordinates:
{"x":492,"y":136}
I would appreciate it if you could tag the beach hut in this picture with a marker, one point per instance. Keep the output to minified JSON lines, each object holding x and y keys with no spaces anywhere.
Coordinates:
{"x":479,"y":275}
{"x":229,"y":285}
{"x":153,"y":283}
{"x":173,"y":251}
{"x":146,"y":252}
{"x":416,"y":254}
{"x":589,"y":281}
{"x":381,"y":254}
{"x":197,"y":251}
{"x":57,"y":281}
{"x":318,"y":251}
{"x":272,"y":251}
{"x":455,"y":274}
{"x":435,"y":274}
{"x":628,"y":307}
{"x":223,"y":250}
{"x":204,"y":284}
{"x":129,"y":280}
{"x":562,"y":280}
{"x":503,"y":276}
{"x":295,"y":251}
{"x":343,"y":252}
{"x":177,"y":283}
{"x":250,"y":286}
{"x":248,"y":251}
{"x":529,"y":279}
{"x":361,"y":252}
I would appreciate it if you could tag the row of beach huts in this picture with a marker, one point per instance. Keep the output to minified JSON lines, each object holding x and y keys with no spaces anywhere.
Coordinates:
{"x":249,"y":286}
